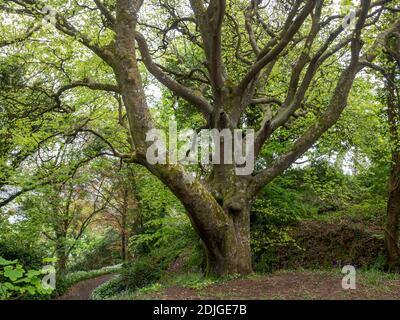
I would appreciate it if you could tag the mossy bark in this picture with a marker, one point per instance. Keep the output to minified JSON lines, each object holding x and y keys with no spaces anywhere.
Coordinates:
{"x":229,"y":252}
{"x":221,"y":218}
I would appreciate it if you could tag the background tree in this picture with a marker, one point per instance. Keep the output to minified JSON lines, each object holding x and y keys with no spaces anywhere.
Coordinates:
{"x":123,"y":206}
{"x":66,"y":213}
{"x":389,"y":68}
{"x":393,"y":213}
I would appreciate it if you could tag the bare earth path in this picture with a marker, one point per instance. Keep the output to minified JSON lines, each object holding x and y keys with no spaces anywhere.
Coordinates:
{"x":281,"y":285}
{"x":287,"y":286}
{"x":83,"y":289}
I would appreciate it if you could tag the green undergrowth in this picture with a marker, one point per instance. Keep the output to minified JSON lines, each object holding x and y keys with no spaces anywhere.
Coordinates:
{"x":162,"y":265}
{"x":322,"y":241}
{"x":167,"y":248}
{"x":111,"y":290}
{"x":349,"y":236}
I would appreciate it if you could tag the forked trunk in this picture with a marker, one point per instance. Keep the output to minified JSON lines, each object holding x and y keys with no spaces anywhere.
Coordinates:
{"x":224,"y":229}
{"x":229,"y":254}
{"x":228,"y":251}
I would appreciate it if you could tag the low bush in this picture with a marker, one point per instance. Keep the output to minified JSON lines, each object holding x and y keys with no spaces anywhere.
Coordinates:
{"x":108,"y":289}
{"x":168,"y":244}
{"x":18,"y":283}
{"x":140,"y":273}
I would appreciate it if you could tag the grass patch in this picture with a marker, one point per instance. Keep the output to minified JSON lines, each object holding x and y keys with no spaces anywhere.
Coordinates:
{"x":190,"y":280}
{"x":138,"y":294}
{"x":376,"y":278}
{"x":194,"y":280}
{"x":372,"y":212}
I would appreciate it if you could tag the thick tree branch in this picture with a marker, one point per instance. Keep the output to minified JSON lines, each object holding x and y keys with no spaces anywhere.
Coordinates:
{"x":210,"y":24}
{"x":88,"y":83}
{"x":106,"y":13}
{"x":189,"y":95}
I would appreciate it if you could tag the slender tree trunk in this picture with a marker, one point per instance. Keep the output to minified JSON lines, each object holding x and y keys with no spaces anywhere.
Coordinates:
{"x":124,"y":218}
{"x":393,"y":217}
{"x":124,"y":240}
{"x":123,"y":247}
{"x":393,"y":207}
{"x":62,"y":256}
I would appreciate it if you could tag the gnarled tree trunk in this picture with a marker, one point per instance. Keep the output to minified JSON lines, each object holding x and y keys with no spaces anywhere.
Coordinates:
{"x":229,"y":252}
{"x":220,"y":214}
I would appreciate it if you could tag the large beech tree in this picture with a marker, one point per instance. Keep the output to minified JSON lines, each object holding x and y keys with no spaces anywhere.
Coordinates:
{"x":243,"y":48}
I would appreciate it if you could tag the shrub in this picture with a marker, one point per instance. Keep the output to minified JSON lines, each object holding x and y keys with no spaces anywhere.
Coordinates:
{"x":165,"y":241}
{"x":147,"y":269}
{"x":108,"y":289}
{"x":136,"y":274}
{"x":269,"y":231}
{"x":17,"y":282}
{"x":97,"y":253}
{"x":29,"y":258}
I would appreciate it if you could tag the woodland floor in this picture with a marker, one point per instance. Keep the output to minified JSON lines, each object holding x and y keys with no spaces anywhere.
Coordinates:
{"x":83,"y":289}
{"x":282,"y":285}
{"x":287,"y":285}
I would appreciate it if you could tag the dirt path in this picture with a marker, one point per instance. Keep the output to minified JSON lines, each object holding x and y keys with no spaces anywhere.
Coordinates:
{"x":286,"y":286}
{"x":83,"y":289}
